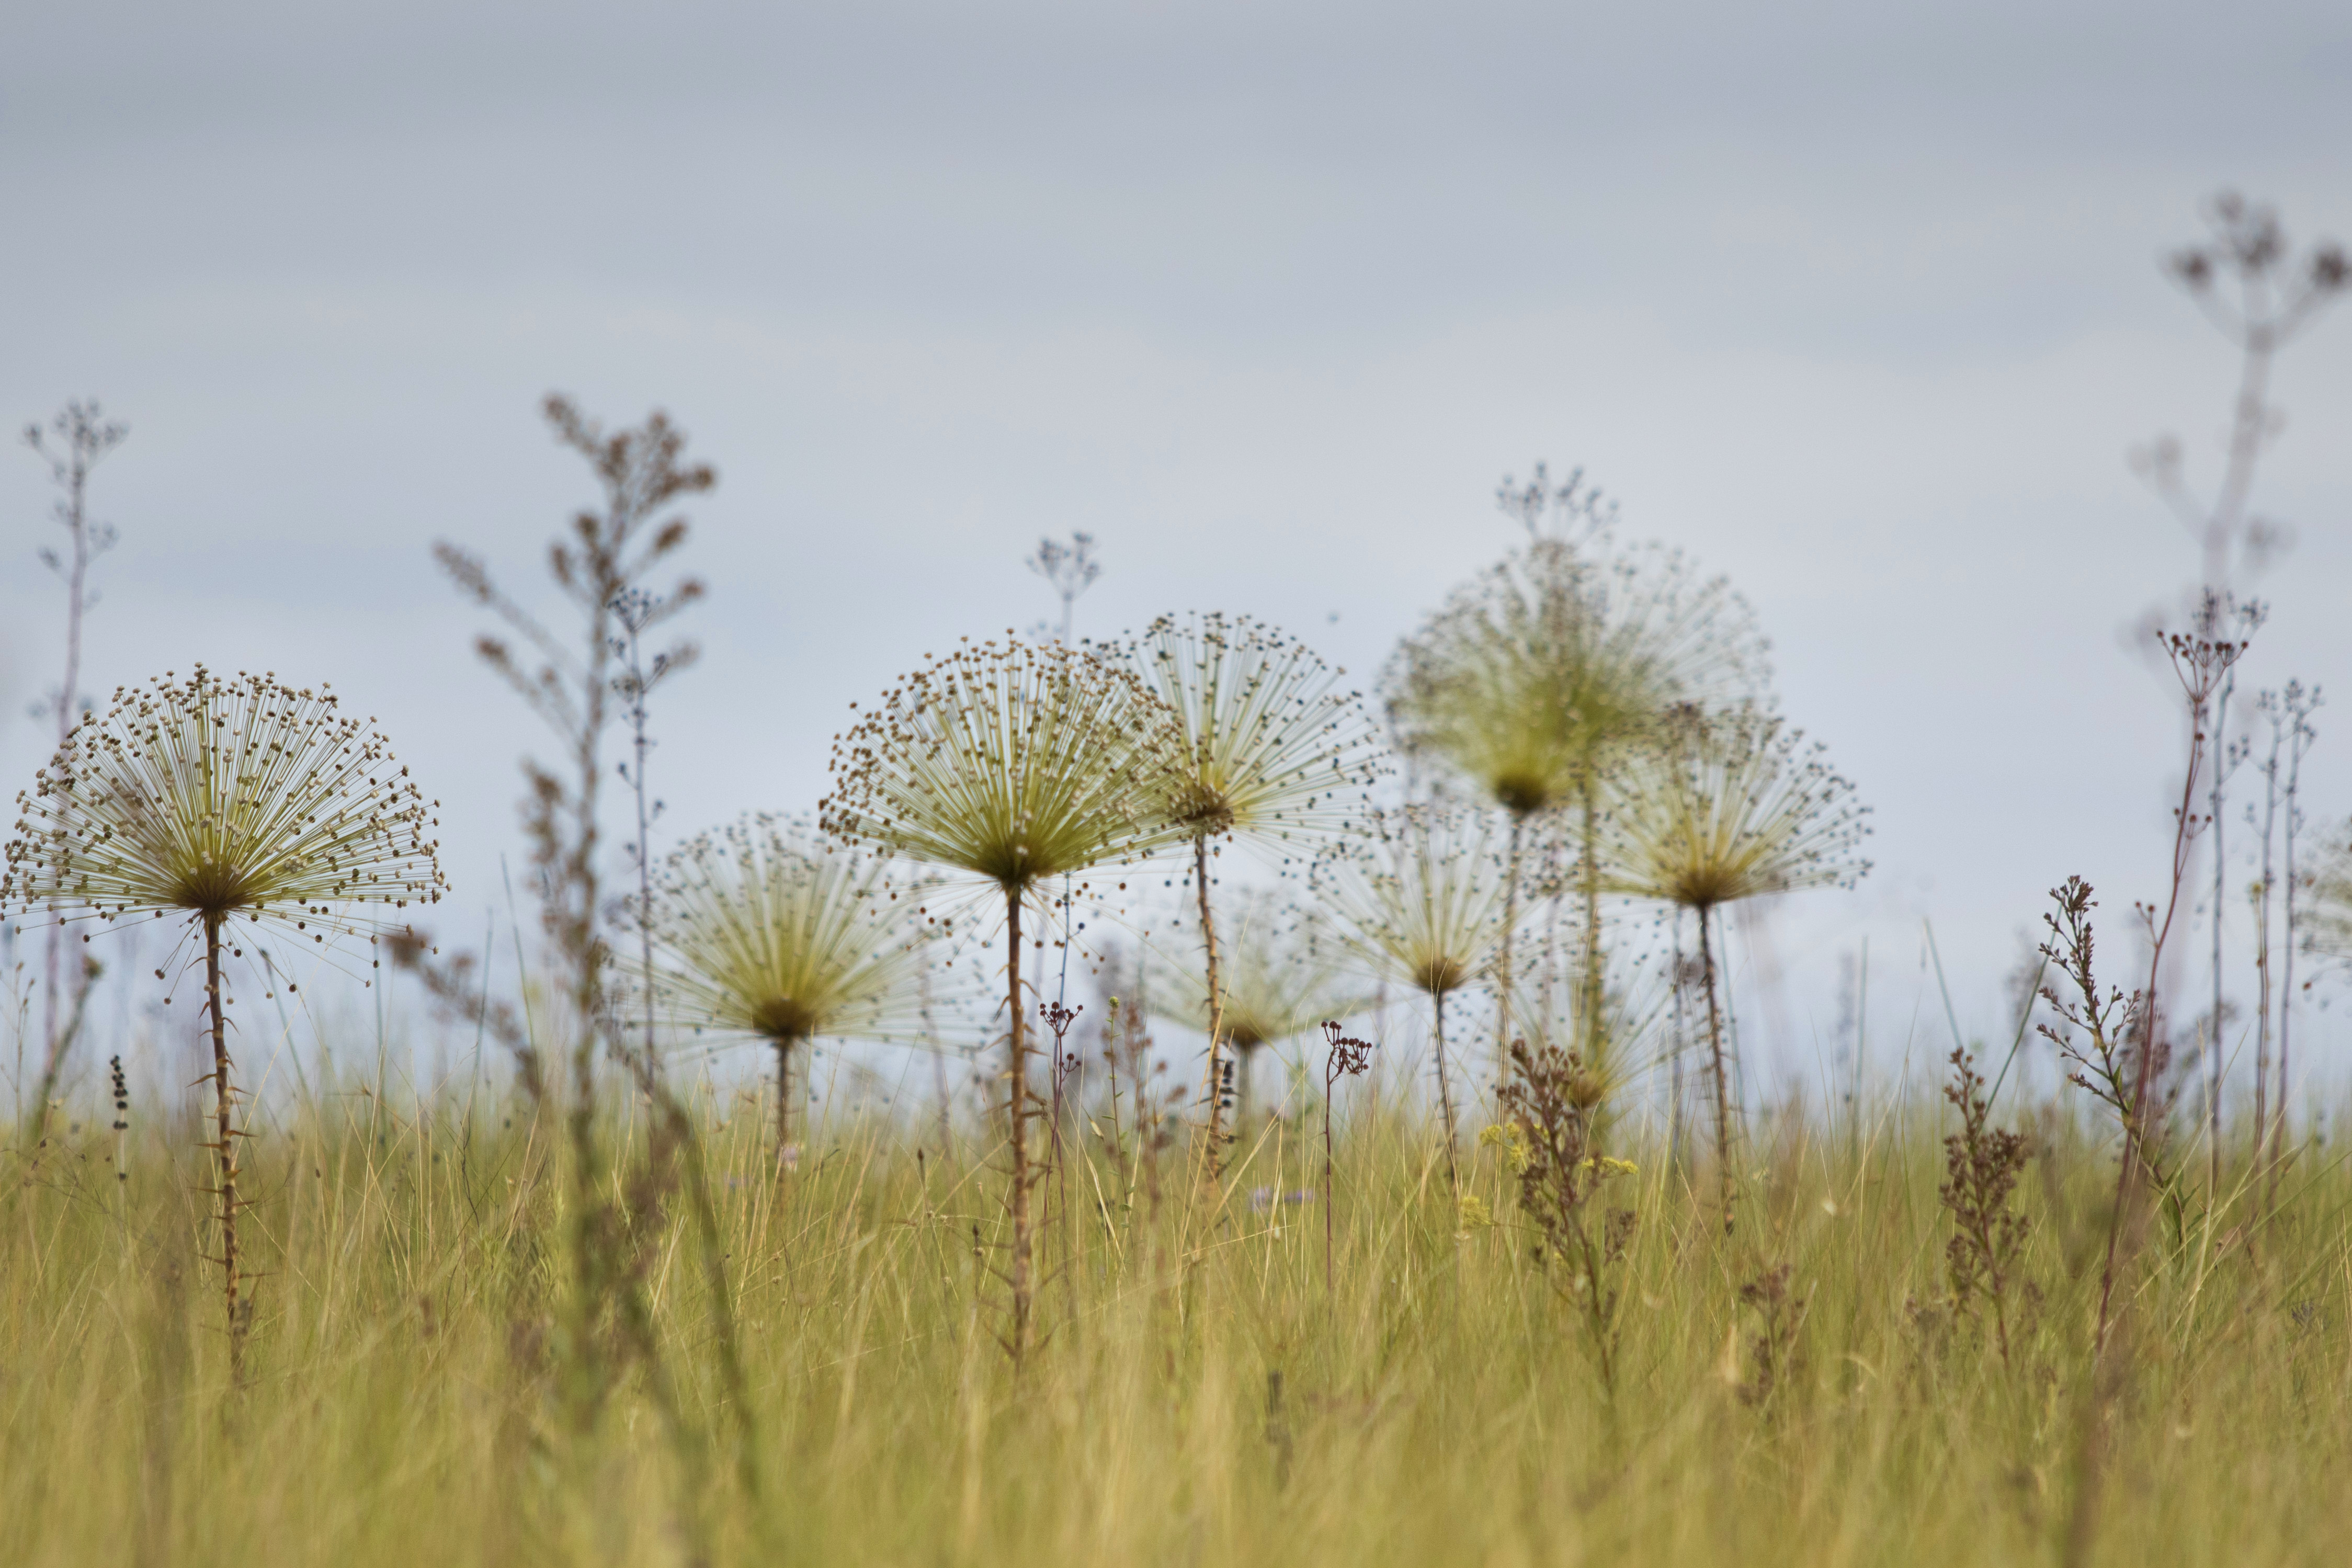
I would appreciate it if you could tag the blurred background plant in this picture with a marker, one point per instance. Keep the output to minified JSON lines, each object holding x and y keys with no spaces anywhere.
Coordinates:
{"x":1730,"y":807}
{"x":1421,"y":901}
{"x":1274,"y":754}
{"x":1288,"y":975}
{"x":769,"y":932}
{"x":79,"y":438}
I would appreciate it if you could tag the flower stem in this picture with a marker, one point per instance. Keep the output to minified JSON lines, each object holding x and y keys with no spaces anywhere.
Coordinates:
{"x":223,"y":1148}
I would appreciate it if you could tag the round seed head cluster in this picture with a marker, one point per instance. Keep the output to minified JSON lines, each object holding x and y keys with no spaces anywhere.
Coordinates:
{"x":1547,"y":667}
{"x":1284,"y":973}
{"x":1013,"y":762}
{"x":1421,"y":895}
{"x":1272,"y":747}
{"x":221,"y":796}
{"x":768,"y":931}
{"x":1734,"y":805}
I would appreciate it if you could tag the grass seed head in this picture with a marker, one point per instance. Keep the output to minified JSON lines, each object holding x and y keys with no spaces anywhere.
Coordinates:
{"x":1273,"y":749}
{"x":1734,"y":805}
{"x":1547,"y":667}
{"x":1012,"y":761}
{"x":768,"y":931}
{"x":1420,"y":898}
{"x":225,"y":797}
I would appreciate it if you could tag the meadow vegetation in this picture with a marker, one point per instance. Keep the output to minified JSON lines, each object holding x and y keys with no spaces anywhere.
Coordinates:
{"x":1312,"y":1181}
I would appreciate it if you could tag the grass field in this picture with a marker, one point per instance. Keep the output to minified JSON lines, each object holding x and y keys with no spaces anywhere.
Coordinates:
{"x":412,"y":1391}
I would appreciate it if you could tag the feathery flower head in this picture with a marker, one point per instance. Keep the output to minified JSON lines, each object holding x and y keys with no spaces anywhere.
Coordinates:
{"x":1422,"y":899}
{"x":770,"y":933}
{"x":221,"y":797}
{"x":1531,"y":674}
{"x":1284,"y":975}
{"x":1734,"y":805}
{"x":1013,"y":762}
{"x":1272,"y":747}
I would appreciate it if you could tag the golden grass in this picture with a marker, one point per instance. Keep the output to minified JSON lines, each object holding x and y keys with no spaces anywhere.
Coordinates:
{"x":1441,"y":1409}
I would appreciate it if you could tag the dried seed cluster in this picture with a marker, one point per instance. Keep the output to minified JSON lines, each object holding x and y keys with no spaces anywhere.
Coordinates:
{"x":1532,"y":674}
{"x":1734,"y":805}
{"x":225,"y":797}
{"x":1272,"y":747}
{"x":1011,"y":761}
{"x":768,"y":931}
{"x":1421,"y":896}
{"x":1287,"y":972}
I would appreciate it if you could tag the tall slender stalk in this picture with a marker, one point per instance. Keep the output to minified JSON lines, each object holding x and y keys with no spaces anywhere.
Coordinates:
{"x":1213,"y":1143}
{"x":1016,"y":1097}
{"x":1446,"y":1101}
{"x":1723,"y":1173}
{"x":784,"y":1110}
{"x":84,"y":435}
{"x":1591,"y":977}
{"x":224,"y":1134}
{"x":1503,"y":954}
{"x":2201,"y":660}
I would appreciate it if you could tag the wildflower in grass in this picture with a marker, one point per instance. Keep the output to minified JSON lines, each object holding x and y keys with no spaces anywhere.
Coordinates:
{"x":1421,"y":899}
{"x":1982,"y":1165}
{"x":1343,"y":1057}
{"x":219,"y":800}
{"x":1536,"y":682}
{"x":1273,"y":752}
{"x":1021,"y":764}
{"x":769,"y":933}
{"x":1287,"y":973}
{"x":1730,"y":806}
{"x":1553,"y":1101}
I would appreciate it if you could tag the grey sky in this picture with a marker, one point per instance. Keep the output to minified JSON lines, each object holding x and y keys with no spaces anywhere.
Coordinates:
{"x":1857,"y":302}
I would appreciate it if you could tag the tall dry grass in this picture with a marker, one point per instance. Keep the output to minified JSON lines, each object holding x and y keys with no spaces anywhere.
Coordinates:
{"x":1800,"y":1393}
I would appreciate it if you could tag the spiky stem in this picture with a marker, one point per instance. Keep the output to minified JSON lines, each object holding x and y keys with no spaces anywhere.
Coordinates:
{"x":223,"y":1147}
{"x":1503,"y":960}
{"x":1214,"y":1144}
{"x":1017,"y":1103}
{"x":1445,"y":1099}
{"x":1714,"y":1048}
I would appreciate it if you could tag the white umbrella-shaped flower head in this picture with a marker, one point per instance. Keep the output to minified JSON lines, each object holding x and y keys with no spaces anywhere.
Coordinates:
{"x":1422,"y":898}
{"x":768,"y":932}
{"x":1730,"y":807}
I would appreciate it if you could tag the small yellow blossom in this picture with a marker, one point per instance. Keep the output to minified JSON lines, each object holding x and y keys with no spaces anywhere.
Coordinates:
{"x":1512,"y":1138}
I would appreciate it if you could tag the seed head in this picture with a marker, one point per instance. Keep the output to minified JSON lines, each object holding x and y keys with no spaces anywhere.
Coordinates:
{"x":1273,"y":748}
{"x":1420,"y":898}
{"x":1545,"y":670}
{"x":768,"y":931}
{"x":222,"y":798}
{"x":1734,"y":805}
{"x":1012,"y":762}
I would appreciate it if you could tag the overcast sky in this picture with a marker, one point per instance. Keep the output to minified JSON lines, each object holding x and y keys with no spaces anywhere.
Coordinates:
{"x":1859,"y":303}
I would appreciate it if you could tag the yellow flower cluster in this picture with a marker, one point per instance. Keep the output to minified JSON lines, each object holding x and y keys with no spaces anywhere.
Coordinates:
{"x":1512,"y":1138}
